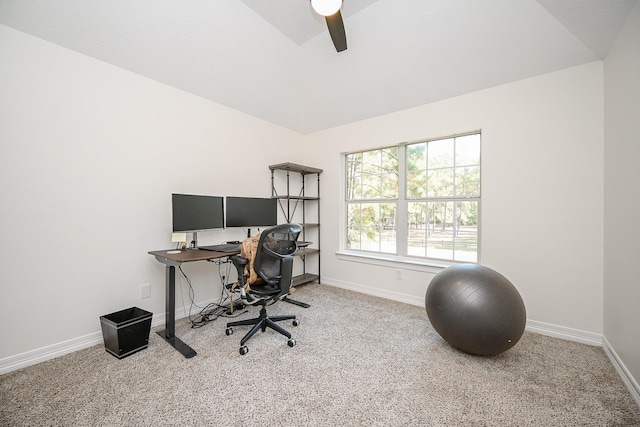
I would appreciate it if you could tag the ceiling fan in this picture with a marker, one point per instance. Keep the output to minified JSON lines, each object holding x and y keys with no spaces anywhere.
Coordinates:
{"x":330,"y":9}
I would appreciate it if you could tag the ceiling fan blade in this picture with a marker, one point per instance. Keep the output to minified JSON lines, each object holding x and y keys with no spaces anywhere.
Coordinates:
{"x":336,"y":29}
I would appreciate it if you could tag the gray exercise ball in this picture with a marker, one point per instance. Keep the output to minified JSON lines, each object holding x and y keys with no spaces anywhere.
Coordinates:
{"x":475,"y":309}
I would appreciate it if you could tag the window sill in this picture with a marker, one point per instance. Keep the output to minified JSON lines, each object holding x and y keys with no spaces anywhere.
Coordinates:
{"x":394,"y":261}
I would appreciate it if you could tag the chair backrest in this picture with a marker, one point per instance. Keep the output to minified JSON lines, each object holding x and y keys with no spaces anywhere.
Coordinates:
{"x":274,"y":257}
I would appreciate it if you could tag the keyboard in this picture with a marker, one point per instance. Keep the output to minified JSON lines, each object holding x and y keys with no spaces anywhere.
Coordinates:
{"x":225,"y":247}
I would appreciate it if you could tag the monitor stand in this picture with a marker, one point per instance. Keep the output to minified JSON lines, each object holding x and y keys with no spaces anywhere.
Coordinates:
{"x":194,"y":241}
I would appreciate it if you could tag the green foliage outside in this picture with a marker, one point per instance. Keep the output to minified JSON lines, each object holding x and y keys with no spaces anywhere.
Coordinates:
{"x":442,"y":192}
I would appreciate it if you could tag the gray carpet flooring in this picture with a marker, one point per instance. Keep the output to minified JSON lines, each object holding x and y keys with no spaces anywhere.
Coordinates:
{"x":359,"y":360}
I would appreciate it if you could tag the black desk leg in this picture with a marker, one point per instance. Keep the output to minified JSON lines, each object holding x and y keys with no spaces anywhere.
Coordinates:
{"x":169,"y":333}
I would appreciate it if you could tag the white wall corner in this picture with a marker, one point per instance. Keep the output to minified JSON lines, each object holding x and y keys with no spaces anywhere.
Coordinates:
{"x":627,"y":378}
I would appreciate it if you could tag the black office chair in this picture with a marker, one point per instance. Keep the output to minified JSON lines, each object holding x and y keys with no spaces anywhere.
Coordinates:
{"x":274,"y":265}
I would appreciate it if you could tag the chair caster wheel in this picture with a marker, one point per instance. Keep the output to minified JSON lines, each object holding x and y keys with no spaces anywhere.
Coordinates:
{"x":291,"y":342}
{"x":228,"y":331}
{"x":296,"y":322}
{"x":244,"y":350}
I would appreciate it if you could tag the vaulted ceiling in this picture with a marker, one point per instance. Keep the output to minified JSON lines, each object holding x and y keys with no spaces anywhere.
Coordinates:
{"x":274,"y":59}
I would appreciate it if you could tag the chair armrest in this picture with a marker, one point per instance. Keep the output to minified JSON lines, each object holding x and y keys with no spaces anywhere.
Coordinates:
{"x":240,"y":262}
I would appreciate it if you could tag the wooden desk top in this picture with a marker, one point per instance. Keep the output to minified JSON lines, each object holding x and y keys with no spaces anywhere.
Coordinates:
{"x":188,"y":255}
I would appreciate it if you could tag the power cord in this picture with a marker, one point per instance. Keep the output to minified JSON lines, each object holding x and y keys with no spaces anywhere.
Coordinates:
{"x":211,"y":311}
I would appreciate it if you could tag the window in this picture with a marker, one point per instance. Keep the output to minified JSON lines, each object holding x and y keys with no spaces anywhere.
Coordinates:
{"x":432,"y":185}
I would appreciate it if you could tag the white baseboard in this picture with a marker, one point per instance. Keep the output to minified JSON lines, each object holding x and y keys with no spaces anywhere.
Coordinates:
{"x":563,"y":332}
{"x":627,"y":378}
{"x":22,"y":360}
{"x":32,"y":357}
{"x":382,"y":293}
{"x":532,"y":325}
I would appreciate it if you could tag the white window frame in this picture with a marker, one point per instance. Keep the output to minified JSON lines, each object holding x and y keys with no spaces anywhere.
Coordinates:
{"x":380,"y":258}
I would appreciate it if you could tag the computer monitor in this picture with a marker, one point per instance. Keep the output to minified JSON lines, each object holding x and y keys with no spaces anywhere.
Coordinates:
{"x":193,"y":213}
{"x":251,"y":211}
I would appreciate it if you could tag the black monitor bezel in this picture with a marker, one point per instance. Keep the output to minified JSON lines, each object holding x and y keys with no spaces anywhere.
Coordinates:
{"x":256,"y":217}
{"x":203,"y":205}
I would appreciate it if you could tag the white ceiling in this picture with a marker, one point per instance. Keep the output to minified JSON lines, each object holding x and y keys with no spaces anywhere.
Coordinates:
{"x":274,"y":59}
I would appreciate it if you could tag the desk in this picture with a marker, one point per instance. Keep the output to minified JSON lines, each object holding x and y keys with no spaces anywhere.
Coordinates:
{"x":173,"y":260}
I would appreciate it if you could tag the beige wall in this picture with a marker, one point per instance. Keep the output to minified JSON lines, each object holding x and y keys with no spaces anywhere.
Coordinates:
{"x":542,"y":193}
{"x":89,"y":157}
{"x":622,"y":197}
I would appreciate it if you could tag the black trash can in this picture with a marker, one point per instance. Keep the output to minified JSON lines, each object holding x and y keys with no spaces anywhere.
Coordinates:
{"x":126,"y":332}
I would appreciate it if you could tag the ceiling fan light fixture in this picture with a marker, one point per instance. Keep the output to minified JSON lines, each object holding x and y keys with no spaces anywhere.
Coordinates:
{"x":326,"y":7}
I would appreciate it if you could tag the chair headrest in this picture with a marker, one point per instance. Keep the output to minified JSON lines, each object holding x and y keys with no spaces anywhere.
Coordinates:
{"x":288,"y":228}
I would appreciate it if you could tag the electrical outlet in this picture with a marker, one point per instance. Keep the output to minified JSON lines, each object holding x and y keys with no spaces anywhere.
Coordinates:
{"x":145,"y":290}
{"x":398,"y":274}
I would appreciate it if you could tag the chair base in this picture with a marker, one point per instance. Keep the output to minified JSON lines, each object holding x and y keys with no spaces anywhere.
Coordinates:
{"x":295,"y":302}
{"x":262,"y":323}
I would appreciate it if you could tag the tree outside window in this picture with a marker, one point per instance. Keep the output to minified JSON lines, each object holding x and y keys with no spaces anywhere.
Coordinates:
{"x":436,"y":186}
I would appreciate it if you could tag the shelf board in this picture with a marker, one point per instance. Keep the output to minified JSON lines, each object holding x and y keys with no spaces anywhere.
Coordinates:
{"x":293,"y":167}
{"x":307,"y":251}
{"x":295,"y":197}
{"x":304,"y":278}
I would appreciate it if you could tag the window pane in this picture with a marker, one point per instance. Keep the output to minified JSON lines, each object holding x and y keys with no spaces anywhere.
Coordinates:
{"x":416,"y":170}
{"x":354,"y":188}
{"x":417,"y":215}
{"x":371,"y":162}
{"x":416,"y":243}
{"x":371,"y":227}
{"x":373,"y":175}
{"x":440,"y":153}
{"x":468,"y":181}
{"x":354,"y":162}
{"x":416,"y":159}
{"x":445,"y":230}
{"x":440,"y":183}
{"x":417,"y":184}
{"x":417,"y":228}
{"x":468,"y":150}
{"x":390,"y":160}
{"x":389,"y":173}
{"x":388,"y":228}
{"x":354,"y":183}
{"x":440,"y":236}
{"x":466,"y":237}
{"x":353,"y":226}
{"x":370,"y":187}
{"x":389,"y":186}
